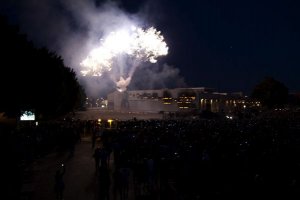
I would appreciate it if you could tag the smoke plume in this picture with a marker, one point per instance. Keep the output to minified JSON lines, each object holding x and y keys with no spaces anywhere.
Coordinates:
{"x":73,"y":27}
{"x":157,"y":77}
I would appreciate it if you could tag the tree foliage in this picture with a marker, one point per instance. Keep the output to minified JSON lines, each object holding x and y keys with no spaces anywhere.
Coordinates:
{"x":270,"y":93}
{"x":34,"y":78}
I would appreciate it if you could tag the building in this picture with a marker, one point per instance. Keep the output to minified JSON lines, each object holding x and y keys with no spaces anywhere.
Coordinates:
{"x":178,"y":99}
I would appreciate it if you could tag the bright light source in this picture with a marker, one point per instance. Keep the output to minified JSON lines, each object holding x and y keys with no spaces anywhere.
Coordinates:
{"x":140,"y":45}
{"x":27,"y":116}
{"x":229,"y":117}
{"x":144,"y":45}
{"x":110,"y":121}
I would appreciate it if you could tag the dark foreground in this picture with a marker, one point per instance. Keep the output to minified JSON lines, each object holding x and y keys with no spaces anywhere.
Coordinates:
{"x":158,"y":159}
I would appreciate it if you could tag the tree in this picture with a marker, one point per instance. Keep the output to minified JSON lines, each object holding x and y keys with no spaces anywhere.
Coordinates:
{"x":271,"y":93}
{"x":294,"y":99}
{"x":34,"y":78}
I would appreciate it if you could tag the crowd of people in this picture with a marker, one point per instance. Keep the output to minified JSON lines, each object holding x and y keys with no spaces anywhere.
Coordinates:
{"x":182,"y":159}
{"x":214,"y":158}
{"x":25,"y":142}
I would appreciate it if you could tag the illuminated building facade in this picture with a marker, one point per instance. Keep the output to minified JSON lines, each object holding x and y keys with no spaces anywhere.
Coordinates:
{"x":178,"y":99}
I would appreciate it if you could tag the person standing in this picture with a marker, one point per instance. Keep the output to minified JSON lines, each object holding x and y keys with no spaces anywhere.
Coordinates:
{"x":104,"y":183}
{"x":97,"y":156}
{"x":59,"y":182}
{"x":94,"y":138}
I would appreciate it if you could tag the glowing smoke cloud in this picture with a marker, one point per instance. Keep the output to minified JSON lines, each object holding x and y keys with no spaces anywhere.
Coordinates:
{"x":81,"y":24}
{"x":140,"y":45}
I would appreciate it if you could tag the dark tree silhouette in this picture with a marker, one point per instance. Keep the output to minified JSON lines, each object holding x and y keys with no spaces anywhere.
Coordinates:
{"x":294,"y":99}
{"x":271,"y":93}
{"x":34,"y":78}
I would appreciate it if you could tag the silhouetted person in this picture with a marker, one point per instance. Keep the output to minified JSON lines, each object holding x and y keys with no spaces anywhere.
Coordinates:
{"x":94,"y":137}
{"x":124,"y":178}
{"x":104,"y":183}
{"x":59,"y":182}
{"x":117,"y":185}
{"x":97,"y":156}
{"x":104,"y":157}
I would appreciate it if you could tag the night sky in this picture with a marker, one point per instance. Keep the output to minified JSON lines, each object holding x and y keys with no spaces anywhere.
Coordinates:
{"x":232,"y":44}
{"x":228,"y":45}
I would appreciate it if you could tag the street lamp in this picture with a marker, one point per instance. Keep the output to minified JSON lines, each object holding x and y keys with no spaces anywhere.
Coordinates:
{"x":109,"y":121}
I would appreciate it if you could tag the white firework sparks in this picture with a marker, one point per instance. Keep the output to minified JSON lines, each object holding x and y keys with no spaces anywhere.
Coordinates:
{"x":139,"y":44}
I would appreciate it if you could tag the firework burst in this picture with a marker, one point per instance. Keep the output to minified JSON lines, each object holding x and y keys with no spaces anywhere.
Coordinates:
{"x":138,"y":44}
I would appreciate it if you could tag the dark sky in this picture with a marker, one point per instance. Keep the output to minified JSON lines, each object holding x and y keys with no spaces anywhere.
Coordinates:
{"x":230,"y":45}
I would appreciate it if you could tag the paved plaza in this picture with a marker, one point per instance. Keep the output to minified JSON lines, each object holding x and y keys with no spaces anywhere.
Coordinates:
{"x":80,"y":178}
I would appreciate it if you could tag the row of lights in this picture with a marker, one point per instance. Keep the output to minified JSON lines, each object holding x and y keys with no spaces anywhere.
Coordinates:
{"x":109,"y":121}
